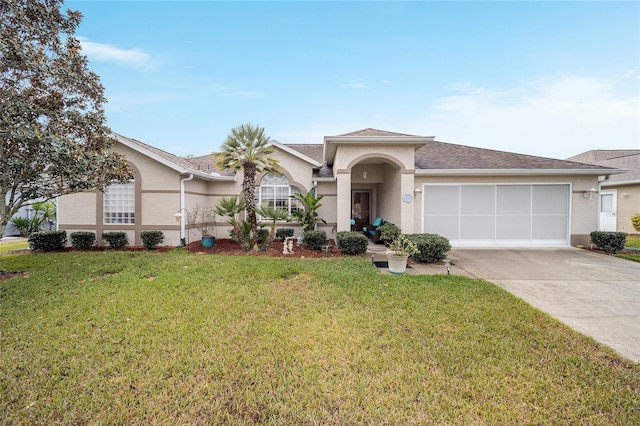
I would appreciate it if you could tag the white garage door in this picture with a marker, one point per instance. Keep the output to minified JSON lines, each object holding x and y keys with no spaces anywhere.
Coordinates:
{"x":498,"y":214}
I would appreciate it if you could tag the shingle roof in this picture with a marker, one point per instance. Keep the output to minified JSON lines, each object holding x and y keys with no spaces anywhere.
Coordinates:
{"x":445,"y":156}
{"x":374,"y":132}
{"x":627,"y":159}
{"x":313,"y":151}
{"x":205,"y":163}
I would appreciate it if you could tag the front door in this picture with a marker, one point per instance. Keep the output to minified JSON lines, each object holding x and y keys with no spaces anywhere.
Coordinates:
{"x":608,"y":210}
{"x":361,"y":208}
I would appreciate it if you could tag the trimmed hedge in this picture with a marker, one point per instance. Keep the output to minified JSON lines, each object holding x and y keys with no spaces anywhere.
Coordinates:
{"x":432,"y":247}
{"x":116,"y":240}
{"x":283,"y":233}
{"x":151,"y":239}
{"x":48,"y":240}
{"x":609,"y":242}
{"x":82,"y":240}
{"x":315,"y":239}
{"x":351,"y":243}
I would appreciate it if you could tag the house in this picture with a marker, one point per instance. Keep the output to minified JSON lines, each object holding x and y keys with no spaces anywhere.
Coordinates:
{"x":470,"y":195}
{"x":619,"y":194}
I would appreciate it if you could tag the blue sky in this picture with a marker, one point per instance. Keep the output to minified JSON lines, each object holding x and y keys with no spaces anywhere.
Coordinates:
{"x":551,"y":78}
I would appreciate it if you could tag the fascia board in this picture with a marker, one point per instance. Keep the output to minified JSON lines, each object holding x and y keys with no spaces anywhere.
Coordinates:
{"x":613,"y":183}
{"x":515,"y":172}
{"x":330,"y":142}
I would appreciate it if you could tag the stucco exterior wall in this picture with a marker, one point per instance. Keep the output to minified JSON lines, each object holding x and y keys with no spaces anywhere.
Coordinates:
{"x":627,"y":206}
{"x":77,"y":209}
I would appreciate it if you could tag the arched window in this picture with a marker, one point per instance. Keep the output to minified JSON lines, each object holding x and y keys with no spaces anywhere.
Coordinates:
{"x":275,"y":191}
{"x":119,"y":203}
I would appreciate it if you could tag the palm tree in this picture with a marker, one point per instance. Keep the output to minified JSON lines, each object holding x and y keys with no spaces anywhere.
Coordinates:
{"x":247,"y":148}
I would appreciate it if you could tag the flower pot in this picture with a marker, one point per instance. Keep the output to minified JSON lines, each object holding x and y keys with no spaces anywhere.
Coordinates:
{"x":208,"y":241}
{"x":397,"y":263}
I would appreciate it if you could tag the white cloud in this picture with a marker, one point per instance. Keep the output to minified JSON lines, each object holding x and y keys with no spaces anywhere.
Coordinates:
{"x":99,"y":52}
{"x":552,"y":117}
{"x":356,"y":84}
{"x":230,"y":92}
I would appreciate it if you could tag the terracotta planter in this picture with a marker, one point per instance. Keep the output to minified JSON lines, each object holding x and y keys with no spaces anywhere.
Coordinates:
{"x":397,"y":263}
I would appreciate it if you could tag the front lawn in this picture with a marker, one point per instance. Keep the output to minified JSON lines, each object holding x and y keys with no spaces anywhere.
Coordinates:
{"x":176,"y":338}
{"x":10,"y":245}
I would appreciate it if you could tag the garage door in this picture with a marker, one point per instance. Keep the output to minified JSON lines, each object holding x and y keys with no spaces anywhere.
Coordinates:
{"x":498,"y":214}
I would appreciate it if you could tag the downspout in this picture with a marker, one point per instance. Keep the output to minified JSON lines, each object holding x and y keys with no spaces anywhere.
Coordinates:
{"x":183,"y":240}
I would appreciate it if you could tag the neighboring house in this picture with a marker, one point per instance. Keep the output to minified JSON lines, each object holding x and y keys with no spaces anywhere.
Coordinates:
{"x":619,"y":194}
{"x":472,"y":196}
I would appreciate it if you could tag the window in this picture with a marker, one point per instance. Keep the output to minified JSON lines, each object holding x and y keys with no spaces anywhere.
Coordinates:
{"x":274,"y":191}
{"x":119,"y":203}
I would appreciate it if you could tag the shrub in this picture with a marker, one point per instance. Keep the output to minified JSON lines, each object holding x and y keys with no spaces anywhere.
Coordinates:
{"x":432,"y":247}
{"x":82,"y":240}
{"x":635,"y":221}
{"x":315,"y":239}
{"x":351,"y":243}
{"x":283,"y":233}
{"x":116,"y":240}
{"x":151,"y":239}
{"x":609,"y":242}
{"x":48,"y":240}
{"x":389,"y":232}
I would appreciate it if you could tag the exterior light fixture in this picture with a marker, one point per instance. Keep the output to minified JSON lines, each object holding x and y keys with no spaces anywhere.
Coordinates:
{"x":625,"y":195}
{"x":447,"y":263}
{"x":589,"y":193}
{"x":417,"y":192}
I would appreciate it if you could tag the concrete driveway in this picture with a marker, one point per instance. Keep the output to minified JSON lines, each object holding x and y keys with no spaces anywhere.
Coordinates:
{"x":593,"y":293}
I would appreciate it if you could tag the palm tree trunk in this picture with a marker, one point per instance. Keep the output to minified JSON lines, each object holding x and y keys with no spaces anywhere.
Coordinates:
{"x":249,"y":190}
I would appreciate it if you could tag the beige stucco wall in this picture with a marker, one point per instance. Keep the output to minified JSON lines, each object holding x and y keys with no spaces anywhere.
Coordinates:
{"x":627,"y":206}
{"x":77,"y":209}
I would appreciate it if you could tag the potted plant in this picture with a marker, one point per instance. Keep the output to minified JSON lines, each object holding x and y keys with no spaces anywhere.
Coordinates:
{"x":204,"y":219}
{"x":398,"y":252}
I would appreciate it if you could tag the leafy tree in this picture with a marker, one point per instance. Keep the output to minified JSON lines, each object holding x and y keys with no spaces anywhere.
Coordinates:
{"x":53,"y":136}
{"x":247,"y":148}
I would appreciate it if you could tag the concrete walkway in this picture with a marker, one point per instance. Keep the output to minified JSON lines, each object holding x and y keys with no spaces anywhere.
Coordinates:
{"x":593,"y":293}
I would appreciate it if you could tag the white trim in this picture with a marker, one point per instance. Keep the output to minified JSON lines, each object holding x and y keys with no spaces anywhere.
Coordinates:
{"x":514,"y":172}
{"x":613,"y":183}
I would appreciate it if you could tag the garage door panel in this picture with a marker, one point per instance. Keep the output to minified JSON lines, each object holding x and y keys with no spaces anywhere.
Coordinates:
{"x":514,"y":199}
{"x":477,"y":227}
{"x":548,"y":227}
{"x":513,"y":227}
{"x":498,"y":214}
{"x":550,"y":199}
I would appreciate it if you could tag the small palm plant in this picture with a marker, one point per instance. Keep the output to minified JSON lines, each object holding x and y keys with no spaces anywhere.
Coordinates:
{"x":273,"y":214}
{"x":308,"y":214}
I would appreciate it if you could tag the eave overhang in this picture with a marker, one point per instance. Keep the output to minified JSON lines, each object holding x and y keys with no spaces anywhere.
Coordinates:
{"x":331,"y":143}
{"x":516,"y":172}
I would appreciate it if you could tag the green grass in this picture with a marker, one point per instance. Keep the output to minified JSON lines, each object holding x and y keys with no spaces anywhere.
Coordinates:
{"x":632,"y":241}
{"x":10,"y":245}
{"x":173,"y":338}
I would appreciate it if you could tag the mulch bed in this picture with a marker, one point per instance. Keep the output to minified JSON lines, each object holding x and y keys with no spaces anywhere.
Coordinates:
{"x":228,"y":246}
